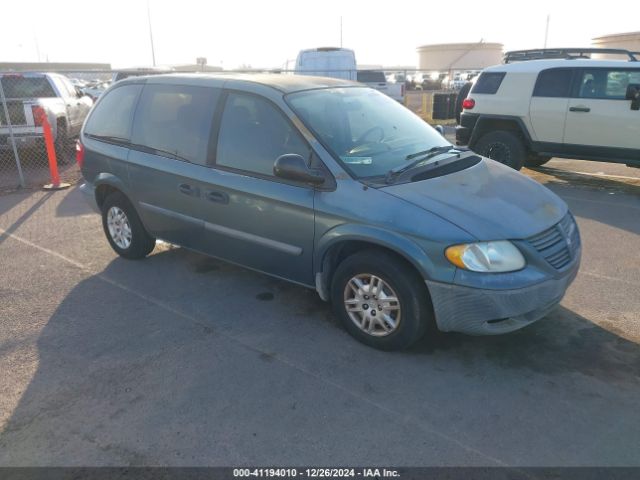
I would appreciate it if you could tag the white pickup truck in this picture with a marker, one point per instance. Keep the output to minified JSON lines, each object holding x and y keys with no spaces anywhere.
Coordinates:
{"x":27,"y":95}
{"x":377,"y":79}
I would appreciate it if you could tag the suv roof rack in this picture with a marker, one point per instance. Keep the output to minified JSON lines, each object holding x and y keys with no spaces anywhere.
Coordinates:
{"x":566,"y":53}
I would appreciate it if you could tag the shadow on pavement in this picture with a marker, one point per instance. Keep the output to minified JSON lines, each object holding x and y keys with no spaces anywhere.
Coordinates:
{"x":557,"y":176}
{"x":562,"y":342}
{"x":73,"y":204}
{"x":123,"y":382}
{"x":15,"y":224}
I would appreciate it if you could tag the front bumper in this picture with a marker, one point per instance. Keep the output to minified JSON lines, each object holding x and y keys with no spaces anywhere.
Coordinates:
{"x":464,"y":131}
{"x":463,"y":134}
{"x":478,"y":311}
{"x":89,"y":194}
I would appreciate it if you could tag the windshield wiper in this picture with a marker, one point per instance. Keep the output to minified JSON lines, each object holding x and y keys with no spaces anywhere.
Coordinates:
{"x":417,"y":158}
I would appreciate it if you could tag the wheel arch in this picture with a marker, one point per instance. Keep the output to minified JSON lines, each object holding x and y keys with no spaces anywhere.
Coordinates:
{"x":490,"y":123}
{"x":342,"y":241}
{"x":107,"y":183}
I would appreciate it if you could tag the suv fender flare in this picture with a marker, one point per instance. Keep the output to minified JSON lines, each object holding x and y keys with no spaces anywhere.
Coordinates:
{"x":483,"y":120}
{"x":402,"y":246}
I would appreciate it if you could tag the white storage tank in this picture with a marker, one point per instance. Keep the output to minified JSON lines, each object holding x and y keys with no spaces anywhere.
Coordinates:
{"x":628,"y":41}
{"x":459,"y":56}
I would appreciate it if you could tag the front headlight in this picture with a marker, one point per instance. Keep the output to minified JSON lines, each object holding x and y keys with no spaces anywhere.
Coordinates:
{"x":498,"y":256}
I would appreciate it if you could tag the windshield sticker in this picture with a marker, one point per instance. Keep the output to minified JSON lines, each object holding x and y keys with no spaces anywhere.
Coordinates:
{"x":357,"y":160}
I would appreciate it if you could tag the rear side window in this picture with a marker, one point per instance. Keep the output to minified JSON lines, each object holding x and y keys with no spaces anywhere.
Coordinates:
{"x":17,"y":86}
{"x":554,"y":83}
{"x":112,"y":115}
{"x":175,"y":120}
{"x":488,"y":82}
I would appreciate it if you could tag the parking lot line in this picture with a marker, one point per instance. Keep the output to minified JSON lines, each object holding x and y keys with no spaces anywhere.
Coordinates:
{"x":406,"y":419}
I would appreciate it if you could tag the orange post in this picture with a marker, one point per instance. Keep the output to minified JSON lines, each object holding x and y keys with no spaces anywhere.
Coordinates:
{"x":51,"y":151}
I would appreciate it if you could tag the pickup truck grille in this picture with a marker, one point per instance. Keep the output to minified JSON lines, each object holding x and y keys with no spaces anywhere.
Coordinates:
{"x":16,"y":114}
{"x":559,"y":243}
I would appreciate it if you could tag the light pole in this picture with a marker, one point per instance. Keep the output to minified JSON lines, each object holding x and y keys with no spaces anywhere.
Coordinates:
{"x":153,"y":53}
{"x":546,"y":32}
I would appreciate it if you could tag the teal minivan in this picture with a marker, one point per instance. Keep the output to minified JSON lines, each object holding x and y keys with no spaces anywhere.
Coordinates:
{"x":334,"y":186}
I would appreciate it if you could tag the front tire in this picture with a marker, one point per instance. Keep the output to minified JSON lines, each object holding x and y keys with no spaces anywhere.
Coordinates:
{"x":502,"y":146}
{"x":123,"y":228}
{"x":381,"y":300}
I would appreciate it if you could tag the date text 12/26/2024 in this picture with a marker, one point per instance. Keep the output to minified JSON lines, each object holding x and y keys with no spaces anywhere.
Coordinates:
{"x":315,"y":473}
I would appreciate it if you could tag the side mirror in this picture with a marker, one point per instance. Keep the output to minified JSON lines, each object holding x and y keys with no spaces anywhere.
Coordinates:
{"x":439,"y":129}
{"x":633,"y":94}
{"x":293,"y":167}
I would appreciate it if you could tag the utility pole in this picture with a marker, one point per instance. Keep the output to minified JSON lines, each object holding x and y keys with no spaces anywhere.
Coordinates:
{"x":153,"y":53}
{"x":340,"y":31}
{"x":35,"y":37}
{"x":546,"y":32}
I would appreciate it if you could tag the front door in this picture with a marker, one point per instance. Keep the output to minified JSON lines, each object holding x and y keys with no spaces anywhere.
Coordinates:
{"x":599,"y":115}
{"x":251,"y":217}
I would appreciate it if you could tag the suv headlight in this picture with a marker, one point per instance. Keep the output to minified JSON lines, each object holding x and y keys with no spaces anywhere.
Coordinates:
{"x":495,"y":257}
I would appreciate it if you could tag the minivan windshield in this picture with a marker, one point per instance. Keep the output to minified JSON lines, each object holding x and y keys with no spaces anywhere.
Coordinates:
{"x":367,"y":131}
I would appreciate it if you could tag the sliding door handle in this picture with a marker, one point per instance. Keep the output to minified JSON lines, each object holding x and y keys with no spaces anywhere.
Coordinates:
{"x":188,"y":189}
{"x":580,"y":109}
{"x":218,"y":197}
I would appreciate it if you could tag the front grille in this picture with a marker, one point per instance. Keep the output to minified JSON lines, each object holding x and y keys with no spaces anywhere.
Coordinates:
{"x":558,"y":243}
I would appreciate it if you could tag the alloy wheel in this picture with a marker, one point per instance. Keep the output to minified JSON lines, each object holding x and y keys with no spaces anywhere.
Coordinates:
{"x":119,"y":227}
{"x":372,"y":305}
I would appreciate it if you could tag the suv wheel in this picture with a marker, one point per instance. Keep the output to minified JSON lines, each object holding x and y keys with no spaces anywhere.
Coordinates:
{"x":123,"y":228}
{"x":381,"y":301}
{"x":533,"y":160}
{"x":502,"y":146}
{"x":61,"y":145}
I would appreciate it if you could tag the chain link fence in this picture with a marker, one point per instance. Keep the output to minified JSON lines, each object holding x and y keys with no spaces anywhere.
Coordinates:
{"x":32,"y":103}
{"x":40,"y":117}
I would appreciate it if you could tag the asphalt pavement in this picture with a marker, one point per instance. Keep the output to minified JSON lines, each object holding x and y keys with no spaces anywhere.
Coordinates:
{"x":180,"y":359}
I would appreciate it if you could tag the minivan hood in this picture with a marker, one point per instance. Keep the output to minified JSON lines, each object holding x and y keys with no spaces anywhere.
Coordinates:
{"x":489,"y":200}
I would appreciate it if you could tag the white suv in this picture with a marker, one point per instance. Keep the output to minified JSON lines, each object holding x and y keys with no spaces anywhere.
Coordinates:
{"x":524,"y":113}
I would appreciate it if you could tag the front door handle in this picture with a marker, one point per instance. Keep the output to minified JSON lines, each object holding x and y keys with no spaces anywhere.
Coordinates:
{"x":580,"y":109}
{"x":188,"y":189}
{"x":218,"y":197}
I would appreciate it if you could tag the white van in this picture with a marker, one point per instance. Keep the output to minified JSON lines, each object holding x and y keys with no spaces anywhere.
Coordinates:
{"x":327,"y":62}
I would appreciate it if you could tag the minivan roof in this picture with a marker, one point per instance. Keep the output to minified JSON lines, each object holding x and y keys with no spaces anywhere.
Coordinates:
{"x":284,"y":83}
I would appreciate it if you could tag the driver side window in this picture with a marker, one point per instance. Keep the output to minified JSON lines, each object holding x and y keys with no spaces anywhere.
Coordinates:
{"x":254,"y":133}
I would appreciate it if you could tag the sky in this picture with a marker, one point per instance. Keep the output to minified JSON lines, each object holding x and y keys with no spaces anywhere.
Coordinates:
{"x":262,"y":33}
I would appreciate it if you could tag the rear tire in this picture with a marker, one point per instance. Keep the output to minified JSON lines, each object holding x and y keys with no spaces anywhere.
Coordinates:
{"x":533,"y":160}
{"x":63,"y":152}
{"x":362,"y":292}
{"x":502,"y":146}
{"x":123,"y":228}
